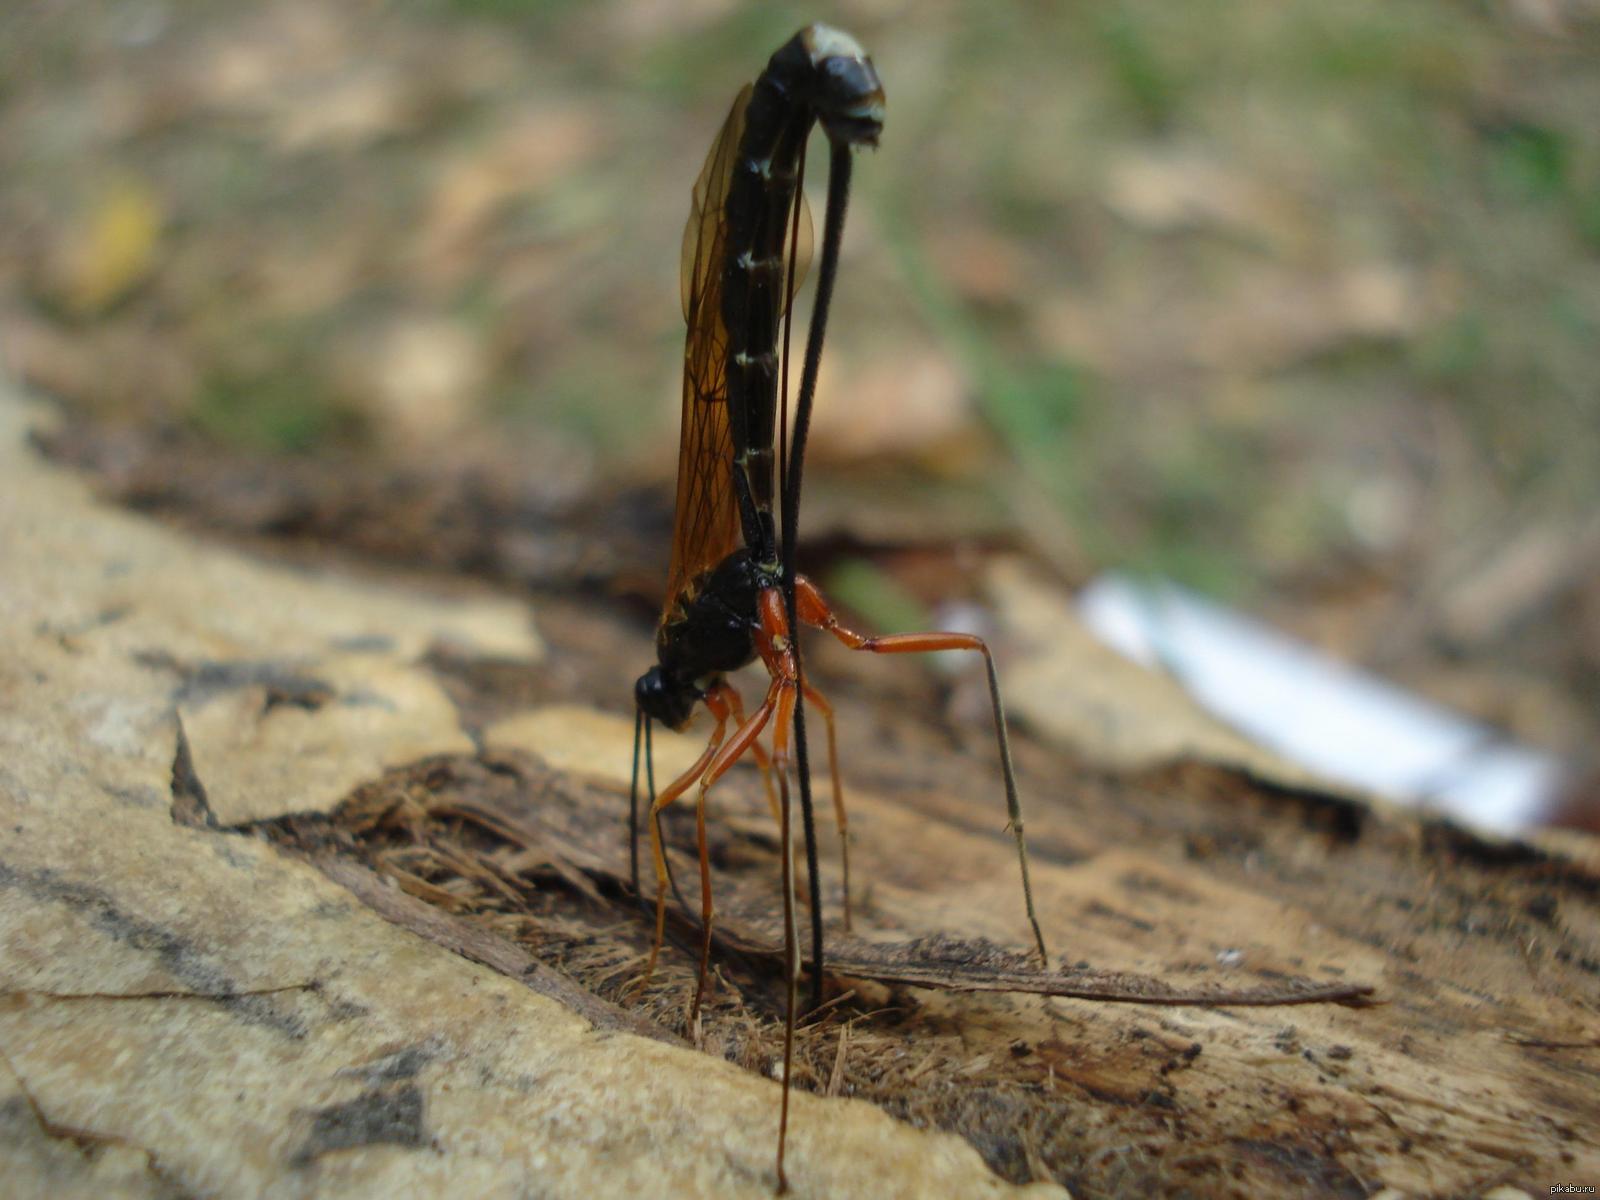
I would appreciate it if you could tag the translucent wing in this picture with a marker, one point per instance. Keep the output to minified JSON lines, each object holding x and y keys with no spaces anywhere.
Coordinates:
{"x":800,"y":252}
{"x":698,"y":261}
{"x":705,"y":524}
{"x":705,"y":527}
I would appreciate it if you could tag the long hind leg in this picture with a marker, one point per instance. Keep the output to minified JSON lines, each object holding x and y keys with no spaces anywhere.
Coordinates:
{"x":719,"y":709}
{"x":791,"y":929}
{"x":813,"y":610}
{"x":826,"y":709}
{"x":764,"y":762}
{"x":744,"y":739}
{"x":763,"y":759}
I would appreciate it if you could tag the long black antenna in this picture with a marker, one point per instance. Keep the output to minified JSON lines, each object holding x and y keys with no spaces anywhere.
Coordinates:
{"x":640,"y":724}
{"x":839,"y":167}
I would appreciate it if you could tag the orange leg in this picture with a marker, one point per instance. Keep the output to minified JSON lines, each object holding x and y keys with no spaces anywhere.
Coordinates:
{"x":744,"y":737}
{"x":791,"y":929}
{"x":813,"y":610}
{"x":720,"y":754}
{"x":763,"y":759}
{"x":826,"y":709}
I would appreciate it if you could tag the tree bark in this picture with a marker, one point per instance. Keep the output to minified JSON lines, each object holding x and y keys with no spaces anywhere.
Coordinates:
{"x":315,"y":883}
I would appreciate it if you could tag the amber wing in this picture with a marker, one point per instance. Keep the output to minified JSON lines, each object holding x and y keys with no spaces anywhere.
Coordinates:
{"x":705,"y":527}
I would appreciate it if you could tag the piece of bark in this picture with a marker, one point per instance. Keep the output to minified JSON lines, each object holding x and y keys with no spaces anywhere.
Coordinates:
{"x":196,"y":1013}
{"x":193,"y":1010}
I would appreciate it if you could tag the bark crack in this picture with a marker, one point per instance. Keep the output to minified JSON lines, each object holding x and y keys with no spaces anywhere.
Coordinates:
{"x":85,"y":1141}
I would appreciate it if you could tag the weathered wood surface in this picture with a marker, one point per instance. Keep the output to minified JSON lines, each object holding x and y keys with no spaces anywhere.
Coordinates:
{"x":369,"y":936}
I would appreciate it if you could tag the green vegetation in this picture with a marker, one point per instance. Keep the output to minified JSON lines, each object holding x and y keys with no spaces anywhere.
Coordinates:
{"x":272,"y":412}
{"x":884,"y":605}
{"x":1199,"y":265}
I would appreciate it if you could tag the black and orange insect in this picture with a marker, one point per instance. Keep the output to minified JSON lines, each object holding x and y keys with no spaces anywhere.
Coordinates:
{"x":733,"y":594}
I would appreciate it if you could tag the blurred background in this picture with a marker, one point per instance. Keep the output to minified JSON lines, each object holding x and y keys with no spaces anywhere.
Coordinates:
{"x":1295,"y":303}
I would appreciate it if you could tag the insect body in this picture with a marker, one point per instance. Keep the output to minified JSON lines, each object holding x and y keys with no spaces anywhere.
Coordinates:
{"x":740,"y":265}
{"x":735,"y":291}
{"x":732,"y":593}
